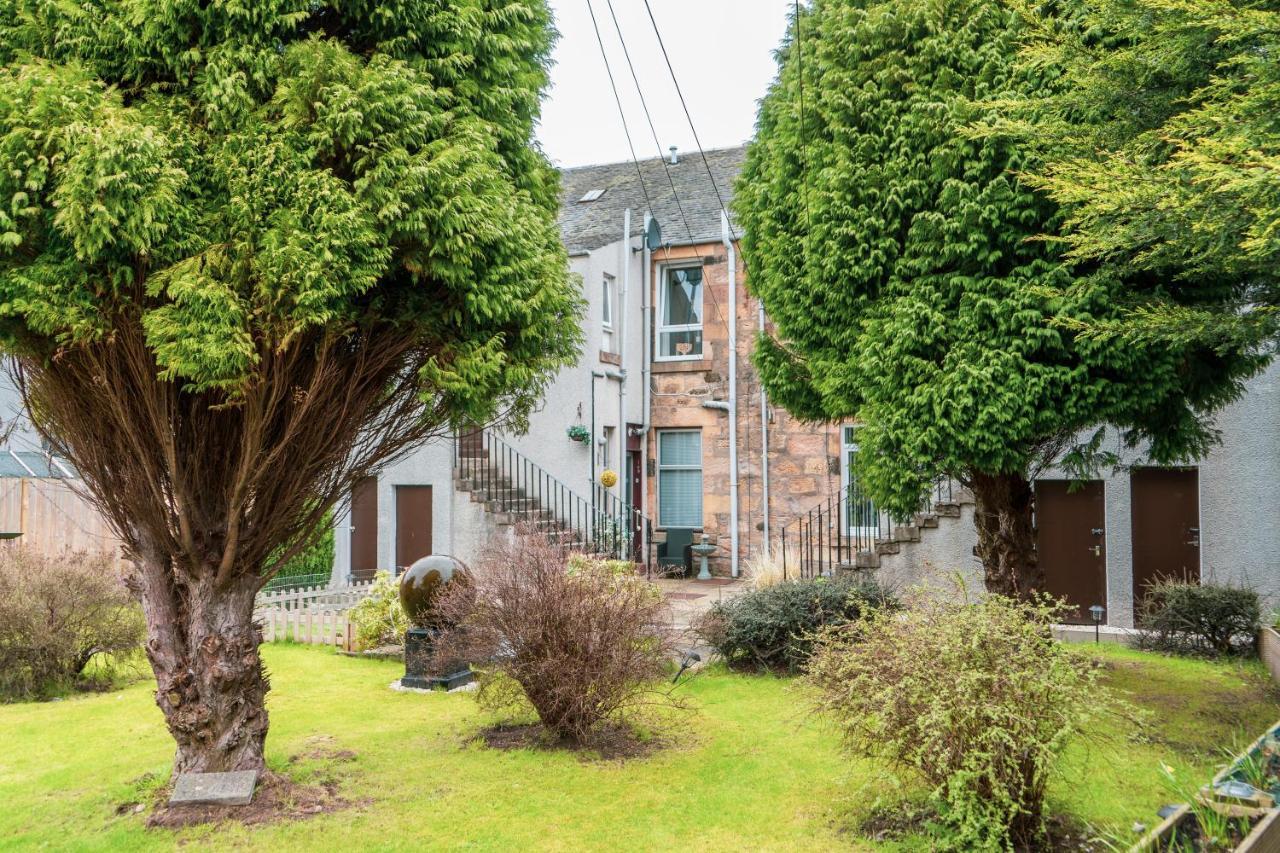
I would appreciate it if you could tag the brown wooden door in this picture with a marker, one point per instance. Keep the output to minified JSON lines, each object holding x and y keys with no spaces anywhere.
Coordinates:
{"x":1071,"y":544}
{"x":413,"y":524}
{"x":364,"y":529}
{"x":1165,"y":513}
{"x":635,"y":502}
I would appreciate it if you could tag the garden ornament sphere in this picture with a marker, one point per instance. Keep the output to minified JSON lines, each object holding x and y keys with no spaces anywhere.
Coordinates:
{"x":608,"y":479}
{"x":423,"y":583}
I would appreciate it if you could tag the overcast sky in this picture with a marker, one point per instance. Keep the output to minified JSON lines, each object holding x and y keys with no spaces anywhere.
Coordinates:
{"x":722,"y":51}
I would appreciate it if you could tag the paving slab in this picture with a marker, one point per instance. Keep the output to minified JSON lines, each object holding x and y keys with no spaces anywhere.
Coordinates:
{"x":222,"y":789}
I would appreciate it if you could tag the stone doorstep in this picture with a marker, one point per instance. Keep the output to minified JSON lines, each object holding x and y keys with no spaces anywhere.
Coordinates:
{"x":214,"y":789}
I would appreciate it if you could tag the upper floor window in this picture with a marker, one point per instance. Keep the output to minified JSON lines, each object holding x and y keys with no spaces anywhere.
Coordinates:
{"x":606,"y":311}
{"x":680,"y":313}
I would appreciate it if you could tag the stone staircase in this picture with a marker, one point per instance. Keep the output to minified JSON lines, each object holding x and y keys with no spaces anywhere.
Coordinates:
{"x":824,"y":546}
{"x":518,"y":494}
{"x":903,"y":536}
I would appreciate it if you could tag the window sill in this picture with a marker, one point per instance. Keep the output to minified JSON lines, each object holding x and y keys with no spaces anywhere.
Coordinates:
{"x":692,"y":365}
{"x":610,"y":357}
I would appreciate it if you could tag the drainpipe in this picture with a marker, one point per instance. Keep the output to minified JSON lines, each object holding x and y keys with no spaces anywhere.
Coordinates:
{"x":764,"y":449}
{"x":645,"y":378}
{"x":620,"y":326}
{"x":733,"y":393}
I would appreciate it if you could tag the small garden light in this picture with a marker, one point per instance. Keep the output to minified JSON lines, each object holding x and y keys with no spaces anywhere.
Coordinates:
{"x":689,"y":659}
{"x":1097,"y":611}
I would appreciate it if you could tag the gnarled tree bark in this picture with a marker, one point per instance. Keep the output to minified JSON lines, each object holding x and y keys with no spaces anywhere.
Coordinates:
{"x":1006,"y":535}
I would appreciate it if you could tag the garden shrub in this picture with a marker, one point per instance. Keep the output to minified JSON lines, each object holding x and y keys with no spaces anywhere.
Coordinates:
{"x":581,"y":644}
{"x":1196,"y":618}
{"x":57,"y":614}
{"x":773,"y":627}
{"x":976,"y":699}
{"x":379,"y":620}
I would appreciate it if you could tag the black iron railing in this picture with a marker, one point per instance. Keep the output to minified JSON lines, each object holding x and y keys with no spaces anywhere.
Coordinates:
{"x":511,"y":485}
{"x":829,"y":537}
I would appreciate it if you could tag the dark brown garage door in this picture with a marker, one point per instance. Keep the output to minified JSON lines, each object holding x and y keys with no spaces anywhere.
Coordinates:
{"x":1071,"y":544}
{"x":413,"y":524}
{"x":364,"y":529}
{"x":1166,"y":527}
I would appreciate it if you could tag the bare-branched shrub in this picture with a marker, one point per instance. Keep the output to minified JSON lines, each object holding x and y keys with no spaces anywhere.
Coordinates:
{"x":582,"y":646}
{"x":975,"y":698}
{"x":56,"y":615}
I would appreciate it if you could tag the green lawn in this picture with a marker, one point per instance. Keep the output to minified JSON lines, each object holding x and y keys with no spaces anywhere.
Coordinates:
{"x":749,"y":768}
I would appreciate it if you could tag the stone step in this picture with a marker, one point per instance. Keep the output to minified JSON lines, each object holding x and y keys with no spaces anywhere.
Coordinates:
{"x":888,"y":547}
{"x":926,"y":520}
{"x":866,"y":560}
{"x":947,"y":510}
{"x":906,"y":533}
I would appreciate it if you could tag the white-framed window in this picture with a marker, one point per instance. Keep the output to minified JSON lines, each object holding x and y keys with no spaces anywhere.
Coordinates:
{"x":607,"y":291}
{"x":679,"y":314}
{"x":679,"y":478}
{"x":860,"y":514}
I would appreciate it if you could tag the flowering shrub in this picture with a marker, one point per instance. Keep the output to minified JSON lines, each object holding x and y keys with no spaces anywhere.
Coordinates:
{"x":379,"y":620}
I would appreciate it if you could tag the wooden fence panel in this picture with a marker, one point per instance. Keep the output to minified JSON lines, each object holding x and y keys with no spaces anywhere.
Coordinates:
{"x":52,"y":518}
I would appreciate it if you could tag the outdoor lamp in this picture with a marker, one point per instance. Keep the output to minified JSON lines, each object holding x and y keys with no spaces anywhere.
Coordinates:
{"x":1096,"y":611}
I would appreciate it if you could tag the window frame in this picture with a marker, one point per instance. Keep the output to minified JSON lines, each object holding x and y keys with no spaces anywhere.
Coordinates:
{"x":608,"y":291}
{"x":849,"y":445}
{"x":661,"y":328}
{"x":660,"y":467}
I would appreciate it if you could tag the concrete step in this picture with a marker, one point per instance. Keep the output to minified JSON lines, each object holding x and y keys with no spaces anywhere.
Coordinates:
{"x":947,"y":510}
{"x":906,"y":533}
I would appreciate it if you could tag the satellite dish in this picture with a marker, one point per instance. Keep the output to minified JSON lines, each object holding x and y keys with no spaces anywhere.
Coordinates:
{"x":653,"y":237}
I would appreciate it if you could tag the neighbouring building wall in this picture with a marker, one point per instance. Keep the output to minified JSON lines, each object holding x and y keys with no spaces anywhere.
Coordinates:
{"x":1239,"y":536}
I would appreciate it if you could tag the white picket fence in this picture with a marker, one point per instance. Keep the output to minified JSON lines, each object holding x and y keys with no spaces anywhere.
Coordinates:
{"x":310,"y":615}
{"x":326,"y":597}
{"x":311,"y":626}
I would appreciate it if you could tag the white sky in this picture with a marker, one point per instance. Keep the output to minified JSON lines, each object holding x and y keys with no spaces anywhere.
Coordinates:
{"x":722,"y":51}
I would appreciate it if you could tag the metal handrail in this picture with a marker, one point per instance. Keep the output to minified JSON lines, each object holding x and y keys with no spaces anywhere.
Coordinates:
{"x":601,"y":524}
{"x":832,"y":534}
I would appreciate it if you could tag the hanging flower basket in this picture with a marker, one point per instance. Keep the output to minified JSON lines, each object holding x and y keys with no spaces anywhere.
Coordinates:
{"x":578,"y":432}
{"x":608,"y":479}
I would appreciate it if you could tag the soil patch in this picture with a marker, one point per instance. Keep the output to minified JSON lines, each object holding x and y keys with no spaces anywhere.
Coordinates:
{"x":610,"y":742}
{"x":277,"y":798}
{"x":898,"y":821}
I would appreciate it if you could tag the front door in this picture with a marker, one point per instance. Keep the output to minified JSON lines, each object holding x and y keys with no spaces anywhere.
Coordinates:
{"x":1071,"y":544}
{"x":413,"y":525}
{"x":1166,"y":527}
{"x":364,"y":529}
{"x":635,"y":499}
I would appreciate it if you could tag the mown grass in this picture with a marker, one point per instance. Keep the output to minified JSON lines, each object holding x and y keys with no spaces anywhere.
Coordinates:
{"x":747,"y":768}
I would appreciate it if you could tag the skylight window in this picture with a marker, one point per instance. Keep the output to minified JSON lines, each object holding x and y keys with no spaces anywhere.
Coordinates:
{"x":591,"y":195}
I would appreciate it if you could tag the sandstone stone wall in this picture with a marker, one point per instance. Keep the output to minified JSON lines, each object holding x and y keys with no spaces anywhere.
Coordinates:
{"x":803,"y":458}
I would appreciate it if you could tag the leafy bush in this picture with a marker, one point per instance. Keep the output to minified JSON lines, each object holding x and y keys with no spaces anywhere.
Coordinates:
{"x":773,"y":627}
{"x":975,"y":698}
{"x":379,"y":620}
{"x":56,"y":615}
{"x":1199,"y":619}
{"x":581,"y":645}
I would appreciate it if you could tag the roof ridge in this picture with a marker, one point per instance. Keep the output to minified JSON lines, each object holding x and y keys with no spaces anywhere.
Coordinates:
{"x":709,"y":151}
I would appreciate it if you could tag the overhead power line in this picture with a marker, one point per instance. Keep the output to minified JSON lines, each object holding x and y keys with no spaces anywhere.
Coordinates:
{"x":618,"y":100}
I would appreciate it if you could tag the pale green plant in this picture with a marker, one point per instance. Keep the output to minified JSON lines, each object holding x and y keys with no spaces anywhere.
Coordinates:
{"x":379,"y":620}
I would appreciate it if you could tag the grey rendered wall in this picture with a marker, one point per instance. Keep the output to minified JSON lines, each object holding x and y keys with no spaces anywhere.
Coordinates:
{"x":1240,"y":531}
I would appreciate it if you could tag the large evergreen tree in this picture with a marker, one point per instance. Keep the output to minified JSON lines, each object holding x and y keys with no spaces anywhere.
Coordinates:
{"x":248,"y":253}
{"x":897,"y":256}
{"x":1163,"y":146}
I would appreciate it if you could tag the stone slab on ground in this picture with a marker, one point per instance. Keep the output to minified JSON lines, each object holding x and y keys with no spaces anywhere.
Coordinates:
{"x":221,"y":789}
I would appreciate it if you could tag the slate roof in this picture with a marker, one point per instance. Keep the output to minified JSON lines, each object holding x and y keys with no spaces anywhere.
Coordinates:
{"x":589,"y":225}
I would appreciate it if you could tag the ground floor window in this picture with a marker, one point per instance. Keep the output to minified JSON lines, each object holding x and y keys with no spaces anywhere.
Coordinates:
{"x":860,"y":515}
{"x":679,"y":478}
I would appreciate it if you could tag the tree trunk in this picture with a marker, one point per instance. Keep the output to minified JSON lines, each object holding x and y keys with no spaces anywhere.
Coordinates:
{"x":203,"y":646}
{"x":1006,"y":538}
